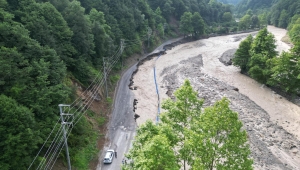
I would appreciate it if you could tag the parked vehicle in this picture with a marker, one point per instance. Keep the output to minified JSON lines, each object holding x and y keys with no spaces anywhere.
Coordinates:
{"x":109,"y":156}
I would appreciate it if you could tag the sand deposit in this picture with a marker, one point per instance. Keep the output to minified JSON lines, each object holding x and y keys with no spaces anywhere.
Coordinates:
{"x":271,"y":121}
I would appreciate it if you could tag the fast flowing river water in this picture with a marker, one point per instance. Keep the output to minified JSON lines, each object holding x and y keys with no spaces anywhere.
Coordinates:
{"x":272,"y":121}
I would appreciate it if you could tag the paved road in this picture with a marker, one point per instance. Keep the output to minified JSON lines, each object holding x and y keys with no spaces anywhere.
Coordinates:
{"x":122,"y":125}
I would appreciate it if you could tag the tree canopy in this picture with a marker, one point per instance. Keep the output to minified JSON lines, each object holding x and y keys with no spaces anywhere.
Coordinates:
{"x":208,"y":139}
{"x":46,"y":45}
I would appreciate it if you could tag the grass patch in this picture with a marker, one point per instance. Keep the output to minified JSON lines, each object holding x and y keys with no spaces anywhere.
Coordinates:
{"x":100,"y":121}
{"x":109,"y":100}
{"x":84,"y":155}
{"x":83,"y":141}
{"x":115,"y":78}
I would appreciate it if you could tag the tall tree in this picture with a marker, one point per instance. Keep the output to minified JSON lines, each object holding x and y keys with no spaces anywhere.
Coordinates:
{"x":180,"y":114}
{"x":227,"y":17}
{"x":262,"y":51}
{"x":48,"y":27}
{"x":186,"y":25}
{"x":245,"y":22}
{"x":217,"y":140}
{"x":210,"y":140}
{"x":242,"y":54}
{"x":198,"y":24}
{"x":153,"y":148}
{"x":101,"y":33}
{"x":283,"y":19}
{"x":286,"y":73}
{"x":19,"y":137}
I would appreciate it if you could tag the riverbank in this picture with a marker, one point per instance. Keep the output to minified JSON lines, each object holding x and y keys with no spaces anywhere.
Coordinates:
{"x":270,"y":120}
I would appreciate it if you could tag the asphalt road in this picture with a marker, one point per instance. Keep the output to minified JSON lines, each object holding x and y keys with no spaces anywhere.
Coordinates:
{"x":122,"y":126}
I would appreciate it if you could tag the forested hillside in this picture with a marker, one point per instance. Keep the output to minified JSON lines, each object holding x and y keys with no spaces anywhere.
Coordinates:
{"x":280,"y":13}
{"x":254,"y":5}
{"x":48,"y":44}
{"x":257,"y":57}
{"x":233,"y":2}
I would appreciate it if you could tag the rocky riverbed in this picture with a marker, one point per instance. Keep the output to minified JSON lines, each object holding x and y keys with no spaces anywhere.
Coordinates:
{"x":272,"y":147}
{"x":272,"y":122}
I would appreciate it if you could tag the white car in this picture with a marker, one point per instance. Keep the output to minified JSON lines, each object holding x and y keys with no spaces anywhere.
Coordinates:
{"x":109,"y":155}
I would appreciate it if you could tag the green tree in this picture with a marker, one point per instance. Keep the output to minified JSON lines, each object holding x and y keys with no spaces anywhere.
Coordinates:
{"x":294,"y":32}
{"x":167,"y":10}
{"x":210,"y":140}
{"x":283,"y":19}
{"x":180,"y":114}
{"x":153,"y":148}
{"x":217,"y":140}
{"x":245,"y":22}
{"x":254,"y":21}
{"x":48,"y":27}
{"x":18,"y":137}
{"x":264,"y":43}
{"x":242,"y":55}
{"x":198,"y":24}
{"x":101,"y":33}
{"x":82,"y":39}
{"x":286,"y":72}
{"x":227,"y":17}
{"x":262,"y":51}
{"x":263,"y":20}
{"x":186,"y":25}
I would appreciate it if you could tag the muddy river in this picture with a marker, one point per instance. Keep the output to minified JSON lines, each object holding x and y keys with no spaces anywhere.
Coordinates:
{"x":271,"y":121}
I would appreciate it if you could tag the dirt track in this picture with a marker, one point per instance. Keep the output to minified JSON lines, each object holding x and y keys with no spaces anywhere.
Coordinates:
{"x":271,"y":121}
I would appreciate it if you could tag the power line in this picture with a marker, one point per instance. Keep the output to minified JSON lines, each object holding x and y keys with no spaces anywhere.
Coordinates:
{"x":93,"y":88}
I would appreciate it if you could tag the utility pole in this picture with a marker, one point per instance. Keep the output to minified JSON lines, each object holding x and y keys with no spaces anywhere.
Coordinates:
{"x":149,"y":34}
{"x":122,"y":48}
{"x":63,"y":123}
{"x":105,"y":75}
{"x":165,"y":26}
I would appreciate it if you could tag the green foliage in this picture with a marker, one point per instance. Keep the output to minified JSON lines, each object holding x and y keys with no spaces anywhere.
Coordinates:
{"x":151,"y":149}
{"x":255,"y":56}
{"x":191,"y":137}
{"x":43,"y":39}
{"x":198,"y":24}
{"x":17,"y":144}
{"x":115,"y":78}
{"x":282,"y":11}
{"x":245,"y":22}
{"x":83,"y":144}
{"x":227,"y":17}
{"x":283,"y":19}
{"x":264,"y":43}
{"x":294,"y":31}
{"x":242,"y":55}
{"x":217,"y":140}
{"x":186,"y":26}
{"x":48,"y":27}
{"x":286,"y":73}
{"x":254,"y":5}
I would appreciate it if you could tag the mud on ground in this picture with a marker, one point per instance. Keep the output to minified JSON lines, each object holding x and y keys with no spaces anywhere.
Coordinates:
{"x":271,"y":146}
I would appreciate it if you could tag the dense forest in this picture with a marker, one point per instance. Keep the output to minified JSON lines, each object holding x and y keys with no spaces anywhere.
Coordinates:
{"x":254,"y":5}
{"x":47,"y":45}
{"x":257,"y":56}
{"x":233,"y":2}
{"x":280,"y":13}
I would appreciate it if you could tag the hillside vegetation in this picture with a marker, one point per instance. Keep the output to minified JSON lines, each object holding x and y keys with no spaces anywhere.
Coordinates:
{"x":280,"y":13}
{"x":47,"y":45}
{"x":258,"y":57}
